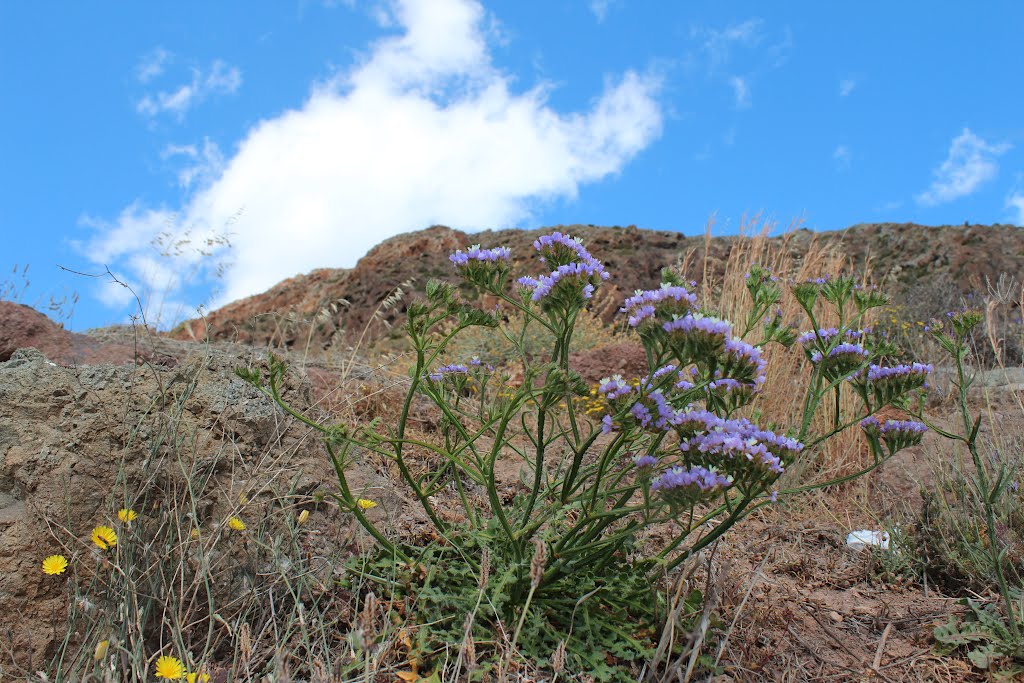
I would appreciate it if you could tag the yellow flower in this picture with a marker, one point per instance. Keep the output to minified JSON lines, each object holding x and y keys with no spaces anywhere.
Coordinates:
{"x":194,"y":533}
{"x":303,"y":516}
{"x":127,"y":515}
{"x":101,"y":650}
{"x":169,"y":667}
{"x":200,"y":676}
{"x":104,"y":537}
{"x":55,"y":564}
{"x":236,"y":524}
{"x":365,"y":504}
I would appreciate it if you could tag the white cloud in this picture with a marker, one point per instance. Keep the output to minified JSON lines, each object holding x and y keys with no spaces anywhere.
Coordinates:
{"x":203,"y":164}
{"x":1015,"y":201}
{"x":220,"y":79}
{"x":841,"y":155}
{"x":600,"y":8}
{"x":422,"y":130}
{"x":740,"y":92}
{"x":152,"y":65}
{"x":846,"y":86}
{"x":719,"y":43}
{"x":971,"y":163}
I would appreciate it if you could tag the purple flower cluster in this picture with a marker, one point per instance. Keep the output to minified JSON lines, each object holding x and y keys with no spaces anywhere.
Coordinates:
{"x":570,"y":260}
{"x":736,"y":447}
{"x":697,"y":336}
{"x":453,"y":369}
{"x":542,"y":286}
{"x":644,"y":461}
{"x":698,"y":477}
{"x":607,"y":427}
{"x":477,"y":363}
{"x":897,"y":434}
{"x":661,"y":406}
{"x":614,"y":387}
{"x":744,"y":361}
{"x":700,"y":324}
{"x":916,"y":370}
{"x":644,"y":304}
{"x":694,"y":421}
{"x":871,"y":425}
{"x":903,"y":427}
{"x":475,"y":253}
{"x":888,"y":383}
{"x":685,"y":377}
{"x":844,"y":351}
{"x":571,"y":247}
{"x":663,"y":370}
{"x":827,"y":333}
{"x":706,"y":432}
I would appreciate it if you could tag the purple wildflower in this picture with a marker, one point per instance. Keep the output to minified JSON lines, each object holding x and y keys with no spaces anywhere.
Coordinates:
{"x":903,"y":427}
{"x":897,"y":434}
{"x":614,"y":387}
{"x":698,"y":323}
{"x":743,"y":361}
{"x":877,"y":372}
{"x":663,"y":370}
{"x":670,"y":300}
{"x":889,"y":383}
{"x":606,"y":425}
{"x":560,"y":249}
{"x":696,"y":479}
{"x":475,"y":253}
{"x":871,"y":425}
{"x":644,"y":461}
{"x":641,"y":413}
{"x":476,"y":362}
{"x":697,"y":336}
{"x":733,"y":451}
{"x":543,"y":285}
{"x":453,"y":369}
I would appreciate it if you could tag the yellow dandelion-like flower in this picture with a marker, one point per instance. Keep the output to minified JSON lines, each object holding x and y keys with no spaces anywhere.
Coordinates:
{"x":194,"y":533}
{"x":365,"y":504}
{"x":170,"y":668}
{"x":197,"y":677}
{"x":55,"y":564}
{"x":101,"y":650}
{"x":236,"y":524}
{"x":104,"y":537}
{"x":127,"y":515}
{"x":303,"y":516}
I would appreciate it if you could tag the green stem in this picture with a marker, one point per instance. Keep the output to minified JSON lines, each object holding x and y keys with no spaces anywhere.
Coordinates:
{"x":987,"y":495}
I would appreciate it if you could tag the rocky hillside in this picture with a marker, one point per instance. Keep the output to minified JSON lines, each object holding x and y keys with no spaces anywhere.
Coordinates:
{"x":923,"y":265}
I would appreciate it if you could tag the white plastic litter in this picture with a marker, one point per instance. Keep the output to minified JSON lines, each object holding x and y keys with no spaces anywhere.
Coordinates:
{"x":859,"y":540}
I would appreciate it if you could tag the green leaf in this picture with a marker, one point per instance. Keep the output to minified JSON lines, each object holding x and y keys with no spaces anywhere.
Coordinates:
{"x":982,"y":656}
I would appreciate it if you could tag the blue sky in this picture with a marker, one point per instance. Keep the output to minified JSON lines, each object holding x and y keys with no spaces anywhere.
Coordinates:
{"x":136,"y":137}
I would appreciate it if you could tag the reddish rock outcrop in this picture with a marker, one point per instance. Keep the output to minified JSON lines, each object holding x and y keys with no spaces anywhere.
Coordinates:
{"x":22,"y":327}
{"x":922,"y":266}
